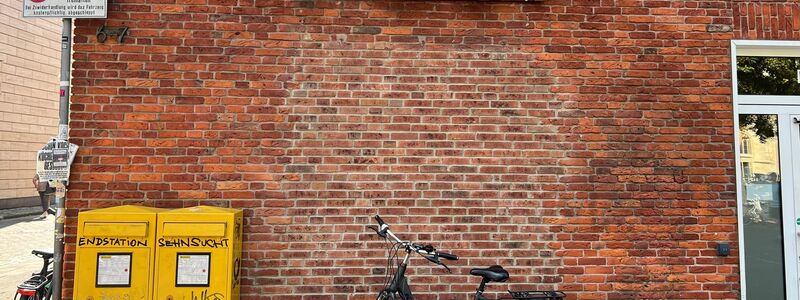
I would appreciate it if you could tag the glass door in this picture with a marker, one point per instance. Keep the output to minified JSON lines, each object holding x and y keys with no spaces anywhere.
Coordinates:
{"x":766,"y":98}
{"x":762,"y":203}
{"x":769,"y":155}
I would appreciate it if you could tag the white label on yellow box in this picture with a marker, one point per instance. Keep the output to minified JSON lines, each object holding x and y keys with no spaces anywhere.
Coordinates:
{"x":113,"y":269}
{"x":193,"y":269}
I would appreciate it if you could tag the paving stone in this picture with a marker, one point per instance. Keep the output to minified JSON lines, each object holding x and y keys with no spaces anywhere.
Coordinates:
{"x":20,"y":236}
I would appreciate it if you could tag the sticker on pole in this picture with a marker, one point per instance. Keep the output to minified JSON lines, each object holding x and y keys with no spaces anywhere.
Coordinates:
{"x":53,"y":161}
{"x":64,"y":8}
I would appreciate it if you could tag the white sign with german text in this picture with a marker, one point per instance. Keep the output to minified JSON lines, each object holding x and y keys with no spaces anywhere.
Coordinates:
{"x":113,"y":269}
{"x":64,"y":8}
{"x":193,"y":269}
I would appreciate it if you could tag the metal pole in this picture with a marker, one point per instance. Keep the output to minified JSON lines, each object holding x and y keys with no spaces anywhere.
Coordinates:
{"x":63,"y":128}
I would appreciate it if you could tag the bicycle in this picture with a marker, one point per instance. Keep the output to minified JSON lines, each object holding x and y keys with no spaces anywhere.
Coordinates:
{"x":396,"y":287}
{"x":39,"y":286}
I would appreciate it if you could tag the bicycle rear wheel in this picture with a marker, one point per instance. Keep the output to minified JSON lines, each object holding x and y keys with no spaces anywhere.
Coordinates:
{"x":44,"y":294}
{"x":22,"y":297}
{"x":390,"y":296}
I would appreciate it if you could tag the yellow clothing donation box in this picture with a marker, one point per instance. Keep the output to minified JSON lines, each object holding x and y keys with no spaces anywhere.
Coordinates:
{"x":115,"y":251}
{"x":198,"y":253}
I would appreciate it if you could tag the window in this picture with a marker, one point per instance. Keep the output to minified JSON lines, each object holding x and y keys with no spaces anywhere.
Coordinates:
{"x":745,"y":149}
{"x":747,"y":172}
{"x":762,"y":75}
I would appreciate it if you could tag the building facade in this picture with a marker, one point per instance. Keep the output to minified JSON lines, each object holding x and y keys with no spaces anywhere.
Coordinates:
{"x":29,"y":64}
{"x":588,"y":146}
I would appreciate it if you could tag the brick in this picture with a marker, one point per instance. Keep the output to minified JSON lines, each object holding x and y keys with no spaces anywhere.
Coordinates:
{"x":29,"y":92}
{"x":581,"y":136}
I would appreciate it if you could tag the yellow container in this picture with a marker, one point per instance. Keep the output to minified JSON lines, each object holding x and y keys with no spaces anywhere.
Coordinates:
{"x":114,"y":257}
{"x":198,"y":254}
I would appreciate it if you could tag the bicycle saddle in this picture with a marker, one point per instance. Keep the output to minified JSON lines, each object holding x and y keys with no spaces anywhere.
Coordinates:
{"x":494,"y":273}
{"x":42,"y":254}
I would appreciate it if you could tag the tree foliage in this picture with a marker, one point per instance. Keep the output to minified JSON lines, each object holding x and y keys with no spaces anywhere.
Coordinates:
{"x":764,"y":126}
{"x":765,"y":76}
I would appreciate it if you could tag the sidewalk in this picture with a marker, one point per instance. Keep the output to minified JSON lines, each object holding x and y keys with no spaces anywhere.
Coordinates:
{"x":19,"y":212}
{"x":20,"y":235}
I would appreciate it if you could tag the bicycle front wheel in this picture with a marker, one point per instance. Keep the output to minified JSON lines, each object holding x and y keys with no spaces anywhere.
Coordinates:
{"x":384,"y":295}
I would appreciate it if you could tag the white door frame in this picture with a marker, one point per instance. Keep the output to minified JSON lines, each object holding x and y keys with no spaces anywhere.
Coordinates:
{"x":786,"y":107}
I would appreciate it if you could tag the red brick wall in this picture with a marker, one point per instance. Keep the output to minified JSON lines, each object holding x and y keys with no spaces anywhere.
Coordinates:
{"x":586,"y":145}
{"x":777,"y":20}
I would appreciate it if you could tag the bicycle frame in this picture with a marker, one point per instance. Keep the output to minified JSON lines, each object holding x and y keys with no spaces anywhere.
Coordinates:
{"x":399,"y":282}
{"x":481,"y":288}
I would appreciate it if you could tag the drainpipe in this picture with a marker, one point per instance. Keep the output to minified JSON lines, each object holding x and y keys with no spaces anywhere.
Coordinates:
{"x":63,"y":135}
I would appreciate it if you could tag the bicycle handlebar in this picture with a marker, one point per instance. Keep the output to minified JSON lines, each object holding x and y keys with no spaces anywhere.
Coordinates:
{"x":380,"y":221}
{"x":447,"y":256}
{"x":384,"y":232}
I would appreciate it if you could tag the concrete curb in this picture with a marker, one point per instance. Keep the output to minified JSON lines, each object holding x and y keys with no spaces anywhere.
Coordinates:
{"x":6,"y":214}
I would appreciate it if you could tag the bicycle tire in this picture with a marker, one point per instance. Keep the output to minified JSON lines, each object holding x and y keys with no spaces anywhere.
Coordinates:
{"x":391,"y":296}
{"x":385,"y":296}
